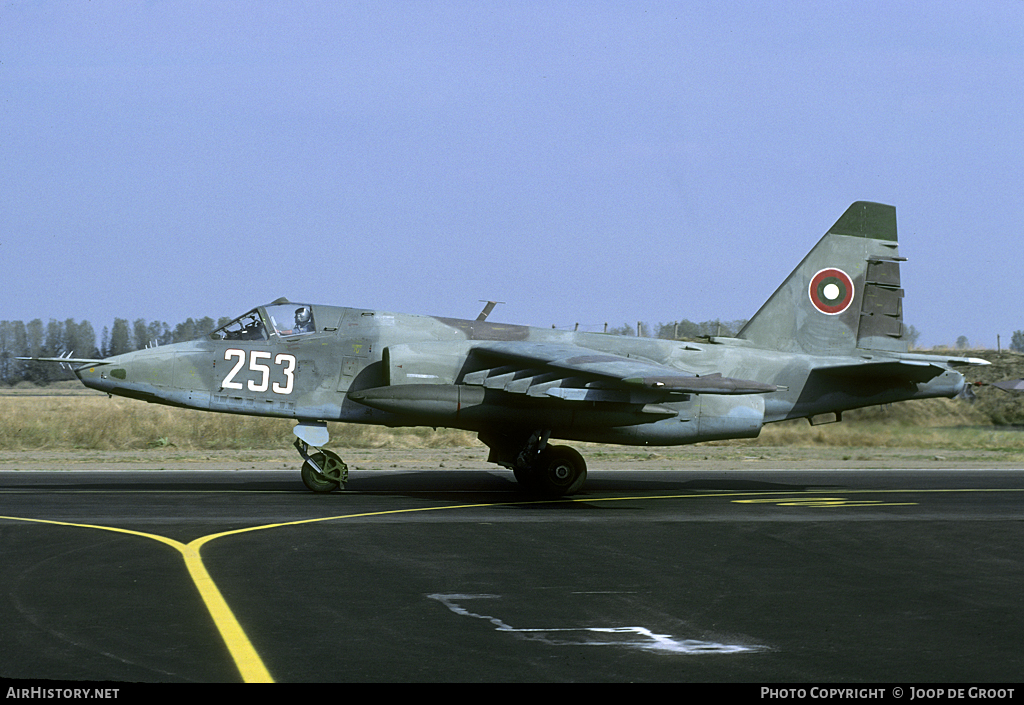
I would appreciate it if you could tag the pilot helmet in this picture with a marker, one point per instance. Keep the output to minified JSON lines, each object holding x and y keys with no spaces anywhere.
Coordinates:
{"x":302,"y":316}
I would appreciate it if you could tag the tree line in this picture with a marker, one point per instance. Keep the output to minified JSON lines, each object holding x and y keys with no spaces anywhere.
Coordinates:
{"x":682,"y":329}
{"x":36,"y":339}
{"x":1017,"y":341}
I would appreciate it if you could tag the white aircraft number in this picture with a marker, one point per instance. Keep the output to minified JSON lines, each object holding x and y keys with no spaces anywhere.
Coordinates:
{"x":283,"y":360}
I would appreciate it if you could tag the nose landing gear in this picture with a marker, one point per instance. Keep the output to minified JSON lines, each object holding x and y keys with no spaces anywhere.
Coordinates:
{"x":323,"y":471}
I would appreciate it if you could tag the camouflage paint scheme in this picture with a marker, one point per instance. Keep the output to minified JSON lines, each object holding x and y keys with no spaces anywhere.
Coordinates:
{"x":831,"y":338}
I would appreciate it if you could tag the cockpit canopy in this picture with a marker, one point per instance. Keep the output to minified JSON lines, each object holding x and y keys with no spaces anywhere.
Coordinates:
{"x":282,"y":319}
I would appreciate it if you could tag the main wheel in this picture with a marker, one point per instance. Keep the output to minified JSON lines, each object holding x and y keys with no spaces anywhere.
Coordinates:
{"x":332,"y":466}
{"x":559,"y":471}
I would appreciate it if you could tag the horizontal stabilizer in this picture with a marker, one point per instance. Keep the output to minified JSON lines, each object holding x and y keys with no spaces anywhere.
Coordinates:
{"x":1010,"y":385}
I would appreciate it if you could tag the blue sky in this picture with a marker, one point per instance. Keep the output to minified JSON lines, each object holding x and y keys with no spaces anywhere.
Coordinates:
{"x":583,"y":162}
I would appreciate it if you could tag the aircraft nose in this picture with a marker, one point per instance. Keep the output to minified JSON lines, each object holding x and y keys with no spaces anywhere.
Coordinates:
{"x":110,"y":375}
{"x":143,"y":374}
{"x":100,"y":376}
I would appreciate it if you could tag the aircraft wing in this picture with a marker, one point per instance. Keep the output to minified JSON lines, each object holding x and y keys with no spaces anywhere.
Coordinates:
{"x":518,"y":360}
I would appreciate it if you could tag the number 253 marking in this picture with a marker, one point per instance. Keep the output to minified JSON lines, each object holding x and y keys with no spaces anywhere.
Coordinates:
{"x":284,"y":360}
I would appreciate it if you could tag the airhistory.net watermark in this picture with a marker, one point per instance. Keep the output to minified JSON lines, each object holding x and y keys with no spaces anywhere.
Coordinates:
{"x":62,"y":693}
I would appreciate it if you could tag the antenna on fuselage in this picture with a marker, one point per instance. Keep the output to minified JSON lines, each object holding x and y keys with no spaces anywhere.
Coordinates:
{"x":487,"y":309}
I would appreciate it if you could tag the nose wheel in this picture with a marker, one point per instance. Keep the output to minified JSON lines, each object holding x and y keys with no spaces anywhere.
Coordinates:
{"x":324,"y":471}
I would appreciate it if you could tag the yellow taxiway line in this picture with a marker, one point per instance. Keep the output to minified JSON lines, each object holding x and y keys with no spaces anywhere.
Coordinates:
{"x":248,"y":661}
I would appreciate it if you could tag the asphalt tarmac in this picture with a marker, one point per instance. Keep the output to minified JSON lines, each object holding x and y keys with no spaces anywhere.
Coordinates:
{"x":452,"y":575}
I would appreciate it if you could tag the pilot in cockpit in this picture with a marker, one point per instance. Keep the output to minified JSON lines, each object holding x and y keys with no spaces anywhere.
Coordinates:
{"x":303,"y":320}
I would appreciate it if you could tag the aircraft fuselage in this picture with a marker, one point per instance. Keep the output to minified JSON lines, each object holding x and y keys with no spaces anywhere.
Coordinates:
{"x":364,"y":366}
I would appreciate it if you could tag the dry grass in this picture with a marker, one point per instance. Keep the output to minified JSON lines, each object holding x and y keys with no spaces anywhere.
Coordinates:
{"x":98,"y":423}
{"x":930,"y":423}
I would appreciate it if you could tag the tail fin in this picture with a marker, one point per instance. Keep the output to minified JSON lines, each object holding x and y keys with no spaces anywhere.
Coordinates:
{"x":845,"y":295}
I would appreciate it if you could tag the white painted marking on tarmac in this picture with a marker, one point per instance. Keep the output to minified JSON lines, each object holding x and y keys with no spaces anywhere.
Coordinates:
{"x":631,"y":637}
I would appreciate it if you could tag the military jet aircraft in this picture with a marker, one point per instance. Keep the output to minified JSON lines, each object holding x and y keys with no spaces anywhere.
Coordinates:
{"x":830,"y":338}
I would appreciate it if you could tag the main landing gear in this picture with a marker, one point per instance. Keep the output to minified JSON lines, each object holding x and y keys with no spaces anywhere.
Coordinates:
{"x":542,"y":469}
{"x":323,"y":470}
